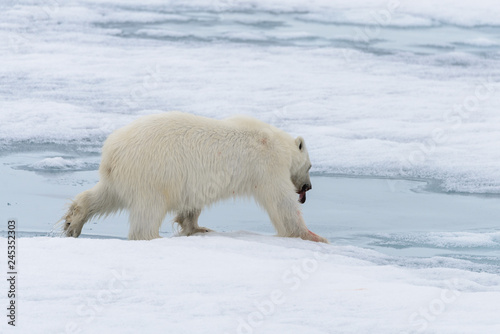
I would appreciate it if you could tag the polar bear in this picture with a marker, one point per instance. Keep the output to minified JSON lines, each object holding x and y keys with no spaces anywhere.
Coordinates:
{"x":178,"y":162}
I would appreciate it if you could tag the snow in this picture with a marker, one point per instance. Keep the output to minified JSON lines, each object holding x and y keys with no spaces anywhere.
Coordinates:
{"x":240,"y":283}
{"x":481,"y":41}
{"x":445,"y":240}
{"x":78,"y":71}
{"x":59,"y":164}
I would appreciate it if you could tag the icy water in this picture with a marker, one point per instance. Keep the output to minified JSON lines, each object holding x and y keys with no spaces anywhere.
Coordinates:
{"x":398,"y":105}
{"x":406,"y":220}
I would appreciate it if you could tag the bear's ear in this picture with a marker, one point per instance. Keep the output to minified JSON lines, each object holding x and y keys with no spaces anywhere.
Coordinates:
{"x":300,"y":143}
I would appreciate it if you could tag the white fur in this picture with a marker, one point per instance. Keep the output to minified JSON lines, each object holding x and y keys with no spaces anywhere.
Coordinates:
{"x":177,"y":162}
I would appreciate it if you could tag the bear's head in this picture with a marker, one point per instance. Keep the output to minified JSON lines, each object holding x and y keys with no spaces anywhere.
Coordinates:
{"x":300,"y":169}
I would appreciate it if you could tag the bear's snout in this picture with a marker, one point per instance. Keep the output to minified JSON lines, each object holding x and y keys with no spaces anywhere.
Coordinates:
{"x":306,"y":187}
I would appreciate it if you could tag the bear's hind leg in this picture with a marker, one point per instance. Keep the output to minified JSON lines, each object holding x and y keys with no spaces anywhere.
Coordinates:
{"x":145,"y":222}
{"x":76,"y":216}
{"x":188,"y":221}
{"x":98,"y":201}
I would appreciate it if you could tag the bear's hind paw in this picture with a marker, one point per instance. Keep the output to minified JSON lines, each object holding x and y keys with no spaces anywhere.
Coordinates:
{"x":70,"y":230}
{"x":200,"y":230}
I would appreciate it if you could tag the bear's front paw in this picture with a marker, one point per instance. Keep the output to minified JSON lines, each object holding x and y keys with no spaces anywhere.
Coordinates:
{"x":314,"y":237}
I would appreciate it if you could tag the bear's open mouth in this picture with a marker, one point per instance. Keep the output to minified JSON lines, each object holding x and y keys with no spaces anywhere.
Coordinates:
{"x":302,"y":192}
{"x":302,"y":197}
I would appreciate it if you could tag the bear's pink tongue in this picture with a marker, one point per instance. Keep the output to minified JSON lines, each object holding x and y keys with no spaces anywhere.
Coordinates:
{"x":302,"y":197}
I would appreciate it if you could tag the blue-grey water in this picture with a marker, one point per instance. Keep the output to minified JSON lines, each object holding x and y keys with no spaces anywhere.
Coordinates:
{"x":404,"y":219}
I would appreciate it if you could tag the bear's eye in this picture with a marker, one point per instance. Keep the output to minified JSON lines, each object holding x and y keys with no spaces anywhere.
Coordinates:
{"x":310,"y":166}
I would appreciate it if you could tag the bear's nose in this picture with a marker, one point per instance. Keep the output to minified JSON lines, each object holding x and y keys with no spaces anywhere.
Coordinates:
{"x":306,"y":187}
